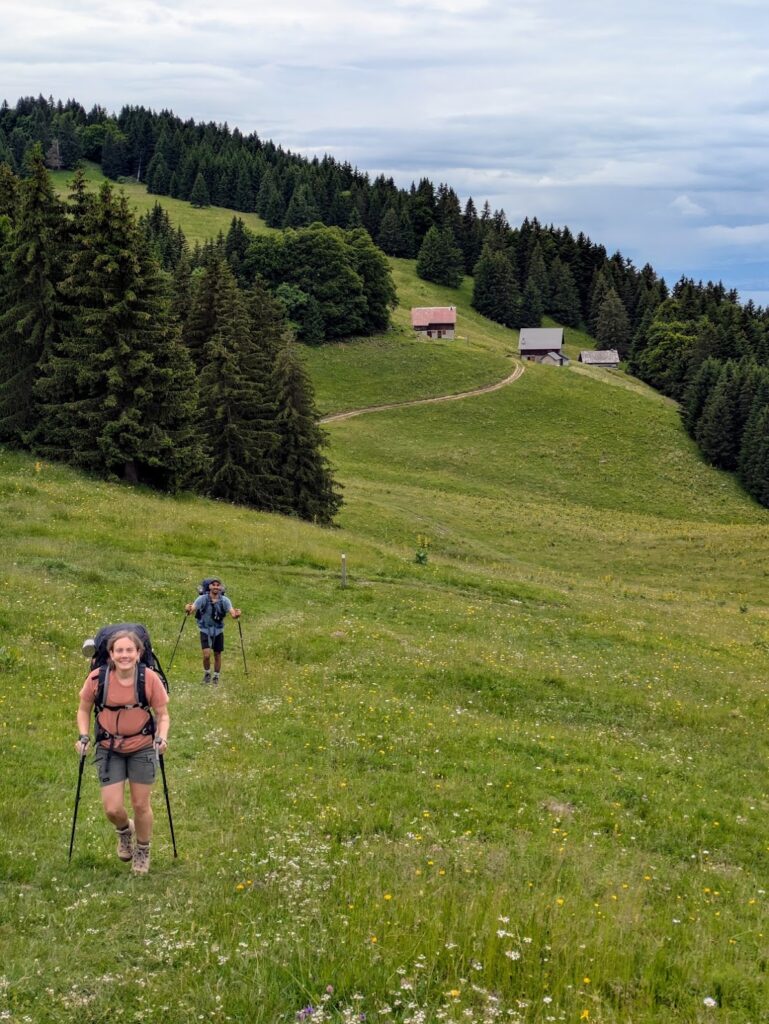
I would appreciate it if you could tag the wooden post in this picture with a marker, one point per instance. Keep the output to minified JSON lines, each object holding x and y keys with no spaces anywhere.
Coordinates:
{"x":344,"y":570}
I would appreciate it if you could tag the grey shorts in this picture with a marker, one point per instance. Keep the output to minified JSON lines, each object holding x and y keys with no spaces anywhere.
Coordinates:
{"x":137,"y":767}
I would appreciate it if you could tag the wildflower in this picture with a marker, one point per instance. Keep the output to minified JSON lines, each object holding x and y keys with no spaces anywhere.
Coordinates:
{"x":388,"y":896}
{"x":709,"y":1001}
{"x":586,"y":981}
{"x":455,"y":993}
{"x":512,"y":954}
{"x":585,"y":1015}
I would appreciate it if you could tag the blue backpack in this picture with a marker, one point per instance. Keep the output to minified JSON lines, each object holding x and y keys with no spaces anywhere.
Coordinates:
{"x":218,"y":614}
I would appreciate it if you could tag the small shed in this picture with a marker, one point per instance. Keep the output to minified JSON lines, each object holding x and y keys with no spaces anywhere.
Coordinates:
{"x":555,"y":359}
{"x":534,"y":343}
{"x":607,"y":357}
{"x":434,"y":321}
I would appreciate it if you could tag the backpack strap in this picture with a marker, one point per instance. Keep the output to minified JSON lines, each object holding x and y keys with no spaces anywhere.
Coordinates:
{"x":100,"y":703}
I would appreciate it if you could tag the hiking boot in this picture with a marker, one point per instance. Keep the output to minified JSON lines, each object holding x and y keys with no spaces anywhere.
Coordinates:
{"x":141,"y":859}
{"x":216,"y":679}
{"x":125,"y":841}
{"x":206,"y":677}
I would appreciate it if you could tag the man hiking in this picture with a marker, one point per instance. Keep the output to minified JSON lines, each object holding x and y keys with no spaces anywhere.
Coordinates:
{"x":211,"y":609}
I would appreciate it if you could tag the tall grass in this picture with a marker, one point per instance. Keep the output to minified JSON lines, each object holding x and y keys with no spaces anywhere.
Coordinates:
{"x":524,"y":781}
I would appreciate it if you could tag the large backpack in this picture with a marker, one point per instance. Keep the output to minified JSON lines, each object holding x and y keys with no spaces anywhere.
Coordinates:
{"x":100,"y":660}
{"x":217,"y":611}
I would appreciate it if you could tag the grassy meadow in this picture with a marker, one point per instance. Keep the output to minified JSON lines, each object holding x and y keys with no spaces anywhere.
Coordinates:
{"x":523,"y":782}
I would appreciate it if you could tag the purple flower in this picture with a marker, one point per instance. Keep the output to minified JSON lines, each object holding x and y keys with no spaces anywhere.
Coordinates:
{"x":305,"y":1012}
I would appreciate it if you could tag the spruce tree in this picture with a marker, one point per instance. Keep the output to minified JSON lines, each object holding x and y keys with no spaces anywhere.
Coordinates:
{"x":308,"y":486}
{"x":495,"y":289}
{"x":697,"y":392}
{"x":199,"y":195}
{"x":374,"y":271}
{"x":564,"y":301}
{"x":538,"y":276}
{"x":390,"y":237}
{"x":717,"y":431}
{"x":32,"y":312}
{"x":9,"y":192}
{"x":612,"y":328}
{"x":117,"y":392}
{"x":235,"y":419}
{"x":532,"y":305}
{"x":753,"y":459}
{"x":440,"y":259}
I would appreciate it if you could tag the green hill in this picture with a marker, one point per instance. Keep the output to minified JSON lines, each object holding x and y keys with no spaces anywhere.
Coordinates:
{"x":524,"y":781}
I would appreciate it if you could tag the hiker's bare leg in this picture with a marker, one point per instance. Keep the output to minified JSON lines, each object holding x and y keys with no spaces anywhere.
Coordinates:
{"x":140,"y":798}
{"x":112,"y":798}
{"x":217,"y":661}
{"x":206,"y":659}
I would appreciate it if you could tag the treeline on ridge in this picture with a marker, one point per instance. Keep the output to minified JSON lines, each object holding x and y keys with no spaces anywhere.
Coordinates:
{"x":520,"y":274}
{"x":116,"y":366}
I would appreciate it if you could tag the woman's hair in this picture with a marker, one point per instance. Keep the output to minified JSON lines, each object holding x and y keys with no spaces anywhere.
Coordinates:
{"x":126,"y":634}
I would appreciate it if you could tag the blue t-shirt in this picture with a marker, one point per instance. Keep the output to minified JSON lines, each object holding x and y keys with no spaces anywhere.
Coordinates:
{"x":206,"y":622}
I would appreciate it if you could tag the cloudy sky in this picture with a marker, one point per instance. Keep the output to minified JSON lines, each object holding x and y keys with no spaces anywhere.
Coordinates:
{"x":644,"y":125}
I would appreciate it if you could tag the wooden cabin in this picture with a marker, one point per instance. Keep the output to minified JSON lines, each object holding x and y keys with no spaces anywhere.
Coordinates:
{"x":434,"y":321}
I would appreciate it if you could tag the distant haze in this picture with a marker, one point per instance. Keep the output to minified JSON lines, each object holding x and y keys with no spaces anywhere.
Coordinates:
{"x":644,"y":125}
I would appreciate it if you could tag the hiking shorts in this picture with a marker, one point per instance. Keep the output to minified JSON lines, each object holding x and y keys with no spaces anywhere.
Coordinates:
{"x":214,"y":643}
{"x":137,"y":767}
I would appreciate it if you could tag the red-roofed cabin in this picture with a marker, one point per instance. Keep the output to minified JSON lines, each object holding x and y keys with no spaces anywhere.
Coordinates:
{"x":434,"y":321}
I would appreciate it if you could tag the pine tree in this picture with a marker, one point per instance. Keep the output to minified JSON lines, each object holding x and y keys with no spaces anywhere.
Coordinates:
{"x":308,"y":487}
{"x":117,"y":393}
{"x":32,"y":313}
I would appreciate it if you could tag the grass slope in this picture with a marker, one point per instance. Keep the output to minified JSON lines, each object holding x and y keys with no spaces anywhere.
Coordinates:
{"x":525,"y":781}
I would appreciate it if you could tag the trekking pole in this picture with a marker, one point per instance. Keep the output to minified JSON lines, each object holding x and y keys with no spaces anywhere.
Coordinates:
{"x":242,"y":648}
{"x":162,"y":764}
{"x":77,"y":802}
{"x":184,"y":622}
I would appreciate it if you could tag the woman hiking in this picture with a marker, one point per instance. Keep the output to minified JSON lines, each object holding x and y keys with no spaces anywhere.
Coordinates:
{"x":128,"y":741}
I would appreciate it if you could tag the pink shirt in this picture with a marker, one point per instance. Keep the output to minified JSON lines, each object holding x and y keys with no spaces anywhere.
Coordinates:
{"x":121,"y":723}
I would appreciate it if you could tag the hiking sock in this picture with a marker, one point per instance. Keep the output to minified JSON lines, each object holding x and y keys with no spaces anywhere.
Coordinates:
{"x":216,"y":679}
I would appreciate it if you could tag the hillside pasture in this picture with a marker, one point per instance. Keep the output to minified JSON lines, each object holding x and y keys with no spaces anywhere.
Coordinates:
{"x":525,"y":781}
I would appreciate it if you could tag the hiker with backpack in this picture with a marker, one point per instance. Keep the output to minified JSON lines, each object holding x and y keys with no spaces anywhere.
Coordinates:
{"x":130,"y":701}
{"x":211,"y":608}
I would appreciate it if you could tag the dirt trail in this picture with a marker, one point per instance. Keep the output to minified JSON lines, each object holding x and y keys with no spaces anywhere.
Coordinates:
{"x":519,"y":369}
